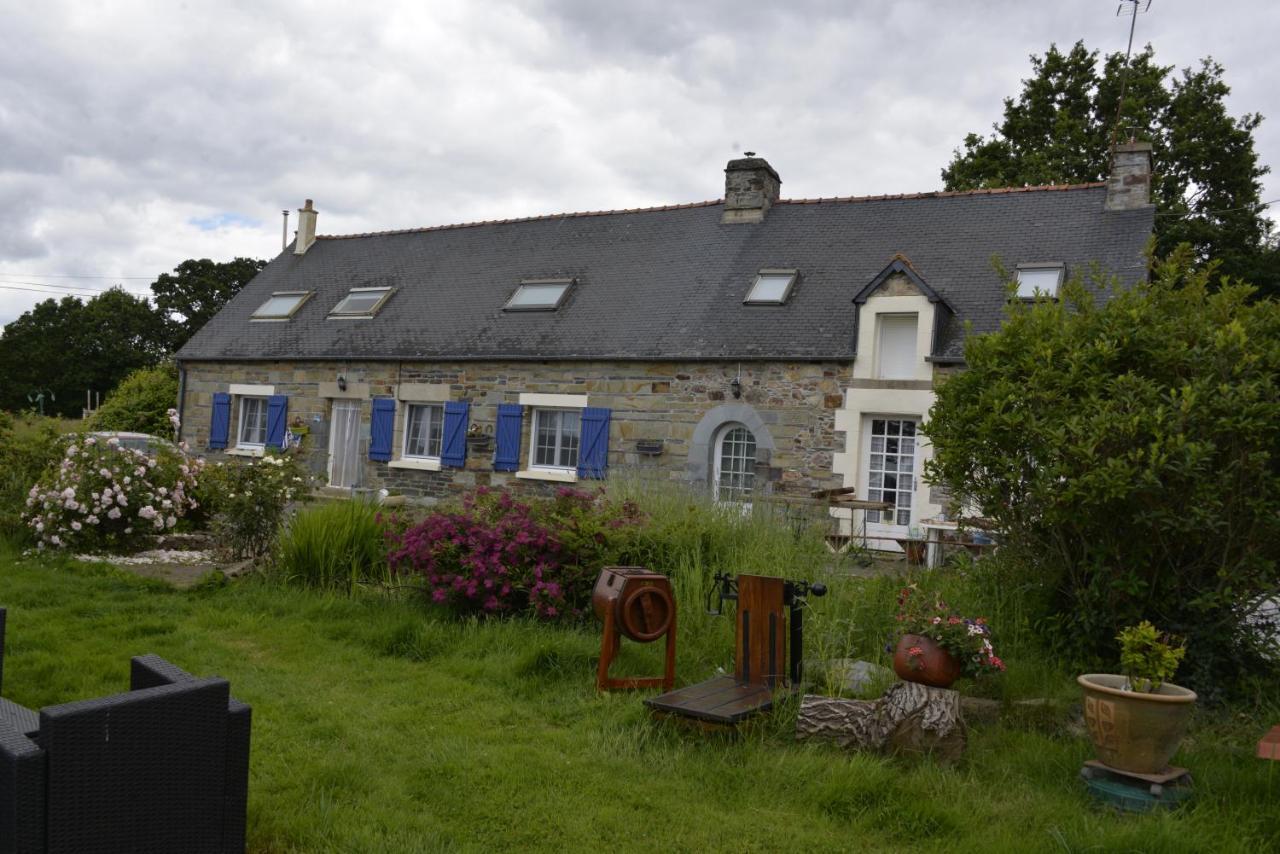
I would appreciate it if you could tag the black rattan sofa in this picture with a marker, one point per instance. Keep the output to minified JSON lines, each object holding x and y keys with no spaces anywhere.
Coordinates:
{"x":163,"y":767}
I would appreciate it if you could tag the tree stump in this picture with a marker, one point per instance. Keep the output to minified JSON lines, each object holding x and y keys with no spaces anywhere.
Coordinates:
{"x":909,"y":718}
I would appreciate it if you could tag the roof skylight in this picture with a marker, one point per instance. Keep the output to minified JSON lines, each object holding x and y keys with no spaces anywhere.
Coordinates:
{"x":281,"y":306}
{"x":1040,"y":279}
{"x":361,"y":302}
{"x":771,"y":287}
{"x":538,"y":295}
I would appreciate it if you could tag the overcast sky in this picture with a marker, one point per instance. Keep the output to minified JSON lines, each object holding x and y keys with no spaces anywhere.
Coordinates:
{"x":134,"y":135}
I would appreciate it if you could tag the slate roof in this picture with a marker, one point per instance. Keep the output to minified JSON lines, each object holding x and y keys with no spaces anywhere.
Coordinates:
{"x":669,"y":283}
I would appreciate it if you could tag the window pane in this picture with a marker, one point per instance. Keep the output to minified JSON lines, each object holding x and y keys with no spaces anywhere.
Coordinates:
{"x":737,"y":462}
{"x":548,"y":425}
{"x":422,"y":432}
{"x":904,"y":517}
{"x":877,"y":444}
{"x":360,"y":302}
{"x":279,"y":305}
{"x":253,"y":422}
{"x":893,"y":427}
{"x":570,"y":428}
{"x":770,"y":288}
{"x":1043,"y":280}
{"x":891,"y":445}
{"x":877,"y":428}
{"x":908,"y":428}
{"x":537,"y":296}
{"x":435,"y":433}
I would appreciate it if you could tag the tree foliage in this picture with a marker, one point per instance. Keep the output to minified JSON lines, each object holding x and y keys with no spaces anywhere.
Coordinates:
{"x":1130,"y":452}
{"x":141,"y":402}
{"x":194,"y":292}
{"x":67,"y":347}
{"x":1207,"y":186}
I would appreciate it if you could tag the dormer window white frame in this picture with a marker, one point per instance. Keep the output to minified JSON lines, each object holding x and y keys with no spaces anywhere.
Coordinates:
{"x":281,"y":306}
{"x":539,"y":295}
{"x":361,"y":303}
{"x":772,"y":287}
{"x":1040,"y":279}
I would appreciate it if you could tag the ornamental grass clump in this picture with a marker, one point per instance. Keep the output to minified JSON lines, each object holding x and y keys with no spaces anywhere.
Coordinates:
{"x":104,"y":495}
{"x":335,"y":545}
{"x":967,"y":639}
{"x":499,"y":555}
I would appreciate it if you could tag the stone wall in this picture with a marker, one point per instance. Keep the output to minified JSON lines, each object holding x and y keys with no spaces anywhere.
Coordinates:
{"x":792,"y":404}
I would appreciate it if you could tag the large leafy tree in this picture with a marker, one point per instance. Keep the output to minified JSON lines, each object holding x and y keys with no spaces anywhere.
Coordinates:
{"x":68,"y":346}
{"x":1207,"y":187}
{"x":1129,"y":451}
{"x":196,"y":289}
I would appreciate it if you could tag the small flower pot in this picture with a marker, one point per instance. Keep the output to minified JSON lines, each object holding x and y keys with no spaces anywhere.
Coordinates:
{"x":1133,"y":731}
{"x":932,"y":666}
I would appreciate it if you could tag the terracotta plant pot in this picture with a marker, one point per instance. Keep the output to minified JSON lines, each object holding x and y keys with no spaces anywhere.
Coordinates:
{"x":1133,"y":731}
{"x":936,"y":667}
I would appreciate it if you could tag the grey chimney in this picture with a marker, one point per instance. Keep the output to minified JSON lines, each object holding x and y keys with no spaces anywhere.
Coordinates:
{"x":1129,"y":184}
{"x":306,"y":229}
{"x":750,"y":188}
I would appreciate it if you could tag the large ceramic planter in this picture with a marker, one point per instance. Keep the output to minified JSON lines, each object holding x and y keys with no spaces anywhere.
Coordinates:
{"x":1133,"y":731}
{"x":935,"y":666}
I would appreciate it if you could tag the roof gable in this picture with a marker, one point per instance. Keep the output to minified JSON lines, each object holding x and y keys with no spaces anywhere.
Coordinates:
{"x":900,"y":265}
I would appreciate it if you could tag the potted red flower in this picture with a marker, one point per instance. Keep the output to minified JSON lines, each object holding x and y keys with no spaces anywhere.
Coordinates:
{"x":936,"y":646}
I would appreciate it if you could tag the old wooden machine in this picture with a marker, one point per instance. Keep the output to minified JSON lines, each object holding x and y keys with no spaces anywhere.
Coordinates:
{"x":769,"y":623}
{"x":633,"y":602}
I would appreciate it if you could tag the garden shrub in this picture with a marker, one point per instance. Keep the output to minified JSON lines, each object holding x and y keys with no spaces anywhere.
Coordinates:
{"x":24,"y":457}
{"x":105,"y":495}
{"x":141,"y":403}
{"x":246,"y":501}
{"x":1130,"y":452}
{"x":334,"y":545}
{"x":501,"y":555}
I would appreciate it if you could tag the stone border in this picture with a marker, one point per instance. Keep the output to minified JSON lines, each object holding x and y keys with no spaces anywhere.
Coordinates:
{"x":699,"y":462}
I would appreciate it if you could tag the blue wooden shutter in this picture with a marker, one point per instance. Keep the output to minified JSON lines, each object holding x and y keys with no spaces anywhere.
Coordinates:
{"x":277,"y":410}
{"x":220,"y":424}
{"x":593,"y":458}
{"x":506,"y":456}
{"x":453,"y":450}
{"x":380,"y":428}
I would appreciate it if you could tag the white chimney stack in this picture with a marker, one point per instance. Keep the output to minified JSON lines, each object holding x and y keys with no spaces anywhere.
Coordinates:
{"x":306,"y":229}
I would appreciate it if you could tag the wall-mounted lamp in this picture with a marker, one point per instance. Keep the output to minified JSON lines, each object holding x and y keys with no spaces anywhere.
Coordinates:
{"x":735,"y":386}
{"x":342,"y":383}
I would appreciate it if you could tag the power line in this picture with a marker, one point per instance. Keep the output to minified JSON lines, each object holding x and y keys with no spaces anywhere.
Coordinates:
{"x":1258,"y":206}
{"x":74,"y":276}
{"x":91,"y":288}
{"x":50,"y":293}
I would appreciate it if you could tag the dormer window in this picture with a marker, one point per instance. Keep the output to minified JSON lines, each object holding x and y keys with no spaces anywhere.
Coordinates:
{"x":771,"y":287}
{"x":1040,"y":280}
{"x":539,"y":295}
{"x":361,"y":302}
{"x":281,"y":306}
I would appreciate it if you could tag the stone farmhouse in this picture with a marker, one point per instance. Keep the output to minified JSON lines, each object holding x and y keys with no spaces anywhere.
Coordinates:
{"x":753,"y":344}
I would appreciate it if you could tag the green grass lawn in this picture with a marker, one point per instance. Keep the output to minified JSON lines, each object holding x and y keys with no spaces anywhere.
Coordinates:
{"x":380,"y":728}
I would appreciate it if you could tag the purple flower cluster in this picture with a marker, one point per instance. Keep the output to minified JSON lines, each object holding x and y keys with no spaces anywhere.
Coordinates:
{"x":501,"y":555}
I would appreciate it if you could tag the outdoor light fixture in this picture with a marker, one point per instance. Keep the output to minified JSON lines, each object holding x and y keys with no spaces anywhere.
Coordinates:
{"x":735,"y":386}
{"x":342,"y":383}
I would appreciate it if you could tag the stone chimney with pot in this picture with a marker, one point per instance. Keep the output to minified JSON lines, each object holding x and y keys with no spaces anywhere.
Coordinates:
{"x":750,"y":188}
{"x":1129,"y":185}
{"x":306,"y":229}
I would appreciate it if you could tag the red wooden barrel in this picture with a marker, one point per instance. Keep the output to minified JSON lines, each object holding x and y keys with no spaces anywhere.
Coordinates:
{"x":640,"y":600}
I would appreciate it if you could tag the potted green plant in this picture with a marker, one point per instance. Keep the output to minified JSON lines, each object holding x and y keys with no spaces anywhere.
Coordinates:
{"x":1137,"y":718}
{"x":936,"y":646}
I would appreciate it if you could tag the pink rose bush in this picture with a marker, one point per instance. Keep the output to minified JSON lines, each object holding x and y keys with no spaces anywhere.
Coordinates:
{"x":103,"y":494}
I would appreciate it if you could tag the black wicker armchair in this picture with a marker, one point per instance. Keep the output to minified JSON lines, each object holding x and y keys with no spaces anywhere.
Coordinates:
{"x":163,"y":767}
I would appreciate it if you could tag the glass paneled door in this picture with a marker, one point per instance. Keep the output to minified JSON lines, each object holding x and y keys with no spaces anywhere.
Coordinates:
{"x":344,"y":444}
{"x":890,"y":454}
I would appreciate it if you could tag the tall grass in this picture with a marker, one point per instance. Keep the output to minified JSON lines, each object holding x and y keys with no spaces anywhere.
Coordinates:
{"x":335,"y":545}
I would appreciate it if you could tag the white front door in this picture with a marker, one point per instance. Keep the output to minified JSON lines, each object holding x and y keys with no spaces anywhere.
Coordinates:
{"x":890,"y":451}
{"x":344,"y":444}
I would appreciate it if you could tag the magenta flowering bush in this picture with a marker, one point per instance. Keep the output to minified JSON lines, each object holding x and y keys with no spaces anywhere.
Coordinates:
{"x":104,"y":495}
{"x":499,"y":555}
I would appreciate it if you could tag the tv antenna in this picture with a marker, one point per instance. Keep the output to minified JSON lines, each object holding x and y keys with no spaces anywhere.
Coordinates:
{"x":1134,"y":8}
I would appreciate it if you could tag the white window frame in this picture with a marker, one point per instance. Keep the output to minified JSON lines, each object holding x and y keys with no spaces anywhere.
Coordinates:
{"x":790,"y":276}
{"x":437,"y":412}
{"x":302,"y":296}
{"x":741,"y":495}
{"x":336,"y":314}
{"x":884,"y":319}
{"x":540,"y":412}
{"x":1041,"y":267}
{"x":240,"y":422}
{"x":565,"y":286}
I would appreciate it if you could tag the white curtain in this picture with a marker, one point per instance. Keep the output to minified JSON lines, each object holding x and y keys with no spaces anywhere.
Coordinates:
{"x":345,"y":444}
